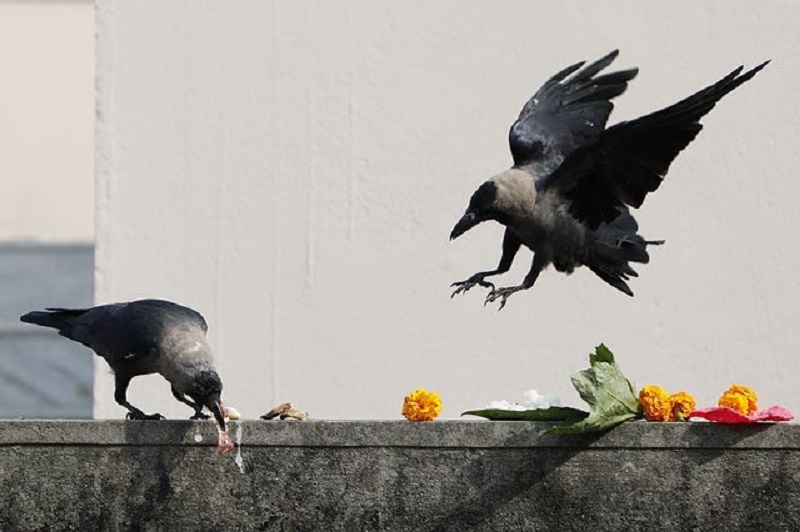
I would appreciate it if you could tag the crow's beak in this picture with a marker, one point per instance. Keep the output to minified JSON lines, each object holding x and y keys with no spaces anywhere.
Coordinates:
{"x":467,"y":222}
{"x":215,"y":406}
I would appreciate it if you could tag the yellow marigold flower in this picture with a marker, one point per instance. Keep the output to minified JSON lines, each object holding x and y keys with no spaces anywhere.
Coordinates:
{"x":680,"y":405}
{"x":741,"y":398}
{"x":655,"y":403}
{"x":734,"y":401}
{"x":752,"y":398}
{"x":422,"y":405}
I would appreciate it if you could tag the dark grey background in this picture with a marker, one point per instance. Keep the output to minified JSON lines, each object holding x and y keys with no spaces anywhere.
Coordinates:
{"x":42,"y":375}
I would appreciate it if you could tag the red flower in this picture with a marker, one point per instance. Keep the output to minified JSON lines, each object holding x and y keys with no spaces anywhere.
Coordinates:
{"x":722,"y":414}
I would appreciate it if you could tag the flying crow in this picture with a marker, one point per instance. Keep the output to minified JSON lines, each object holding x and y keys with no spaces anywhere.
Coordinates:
{"x":567,"y":196}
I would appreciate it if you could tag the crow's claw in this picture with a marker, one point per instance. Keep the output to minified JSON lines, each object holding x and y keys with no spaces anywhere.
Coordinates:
{"x":464,"y":286}
{"x":200,"y":415}
{"x":141,"y":416}
{"x":502,"y":294}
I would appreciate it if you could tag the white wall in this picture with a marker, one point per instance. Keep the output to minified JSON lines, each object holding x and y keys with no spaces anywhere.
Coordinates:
{"x":46,"y":120}
{"x":293,"y":170}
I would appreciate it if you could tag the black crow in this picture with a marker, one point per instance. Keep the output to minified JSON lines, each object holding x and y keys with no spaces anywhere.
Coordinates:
{"x":566,"y":198}
{"x":143,"y":337}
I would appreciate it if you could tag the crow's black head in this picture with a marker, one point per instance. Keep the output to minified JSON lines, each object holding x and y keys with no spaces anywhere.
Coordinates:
{"x":207,"y":391}
{"x":481,"y":208}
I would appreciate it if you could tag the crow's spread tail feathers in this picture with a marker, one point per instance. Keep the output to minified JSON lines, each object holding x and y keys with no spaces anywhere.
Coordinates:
{"x":613,"y":246}
{"x":56,"y":318}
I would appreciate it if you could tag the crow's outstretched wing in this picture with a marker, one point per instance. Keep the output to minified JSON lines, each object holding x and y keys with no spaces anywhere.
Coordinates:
{"x":566,"y":114}
{"x":631,"y":158}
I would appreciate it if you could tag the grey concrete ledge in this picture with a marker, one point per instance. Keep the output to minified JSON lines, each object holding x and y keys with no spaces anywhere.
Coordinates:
{"x":439,"y":434}
{"x":397,"y":475}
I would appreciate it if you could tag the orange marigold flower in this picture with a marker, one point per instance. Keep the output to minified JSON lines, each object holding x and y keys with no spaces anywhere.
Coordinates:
{"x":655,"y":403}
{"x":741,"y":398}
{"x":749,"y":393}
{"x":422,"y":405}
{"x":680,"y":405}
{"x":734,"y":401}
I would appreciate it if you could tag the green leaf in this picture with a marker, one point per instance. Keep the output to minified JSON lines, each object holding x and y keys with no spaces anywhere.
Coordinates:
{"x":601,"y":354}
{"x":554,"y":413}
{"x":610,"y":395}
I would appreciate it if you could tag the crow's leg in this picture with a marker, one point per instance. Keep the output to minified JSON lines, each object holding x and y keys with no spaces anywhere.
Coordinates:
{"x":198,"y":408}
{"x":120,"y":395}
{"x":503,"y":294}
{"x":511,"y":245}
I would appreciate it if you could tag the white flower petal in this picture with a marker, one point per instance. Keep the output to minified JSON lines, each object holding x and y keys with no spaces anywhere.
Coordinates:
{"x":535,"y":400}
{"x":505,"y":405}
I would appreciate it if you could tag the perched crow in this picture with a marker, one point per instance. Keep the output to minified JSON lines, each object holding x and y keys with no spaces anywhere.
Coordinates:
{"x":566,"y":198}
{"x":143,"y":337}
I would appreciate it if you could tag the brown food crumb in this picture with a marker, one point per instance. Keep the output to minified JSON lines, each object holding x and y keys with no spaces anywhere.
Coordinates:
{"x":285,"y":410}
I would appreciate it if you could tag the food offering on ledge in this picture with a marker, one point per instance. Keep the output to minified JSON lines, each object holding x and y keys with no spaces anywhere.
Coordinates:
{"x":612,"y":400}
{"x":739,"y":404}
{"x":285,"y":411}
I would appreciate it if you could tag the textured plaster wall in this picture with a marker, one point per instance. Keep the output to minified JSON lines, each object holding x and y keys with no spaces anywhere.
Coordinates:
{"x":46,"y":120}
{"x":293,"y":170}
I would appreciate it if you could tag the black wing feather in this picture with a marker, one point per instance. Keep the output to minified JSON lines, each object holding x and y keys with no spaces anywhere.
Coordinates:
{"x":566,"y":114}
{"x":120,"y":330}
{"x":631,"y":158}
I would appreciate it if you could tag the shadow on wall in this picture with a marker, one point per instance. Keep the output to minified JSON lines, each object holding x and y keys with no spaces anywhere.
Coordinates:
{"x":41,"y":375}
